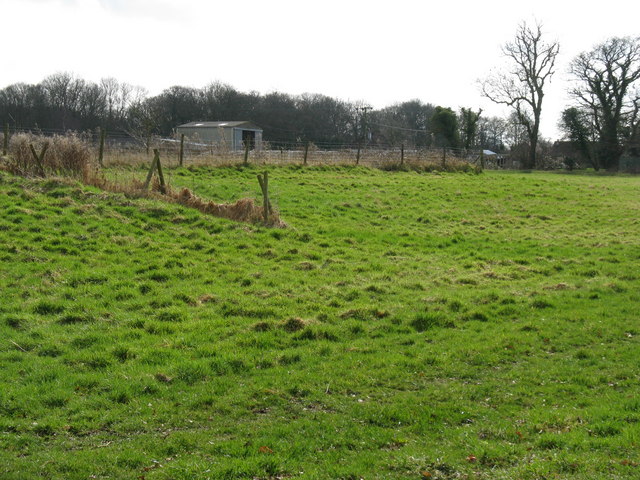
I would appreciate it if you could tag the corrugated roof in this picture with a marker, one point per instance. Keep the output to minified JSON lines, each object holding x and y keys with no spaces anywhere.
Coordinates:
{"x":234,"y":124}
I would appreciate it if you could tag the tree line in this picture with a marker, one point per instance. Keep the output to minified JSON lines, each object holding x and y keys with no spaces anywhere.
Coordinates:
{"x":602,"y":124}
{"x":64,"y":102}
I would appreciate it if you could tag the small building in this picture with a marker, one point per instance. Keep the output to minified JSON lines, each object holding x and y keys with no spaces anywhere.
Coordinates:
{"x":491,"y":159}
{"x":232,"y":135}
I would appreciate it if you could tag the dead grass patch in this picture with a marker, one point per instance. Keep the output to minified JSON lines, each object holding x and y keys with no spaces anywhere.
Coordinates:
{"x":66,"y":155}
{"x":243,"y":210}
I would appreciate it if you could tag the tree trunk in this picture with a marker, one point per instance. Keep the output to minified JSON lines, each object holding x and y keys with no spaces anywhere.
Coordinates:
{"x":531,"y":158}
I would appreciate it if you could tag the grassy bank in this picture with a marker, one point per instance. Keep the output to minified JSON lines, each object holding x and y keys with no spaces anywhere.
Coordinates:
{"x":405,"y":325}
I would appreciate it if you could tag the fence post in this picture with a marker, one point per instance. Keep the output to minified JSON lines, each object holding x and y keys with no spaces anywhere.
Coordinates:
{"x":103,"y":135}
{"x":306,"y":152}
{"x":5,"y":143}
{"x":151,"y":170}
{"x":482,"y":159}
{"x":246,"y":152}
{"x":156,"y":154}
{"x":264,"y":185}
{"x":39,"y":158}
{"x":181,"y":148}
{"x":402,"y":154}
{"x":358,"y":155}
{"x":444,"y":157}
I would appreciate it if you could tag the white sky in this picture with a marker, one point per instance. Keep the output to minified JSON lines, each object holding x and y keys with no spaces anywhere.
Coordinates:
{"x":377,"y":52}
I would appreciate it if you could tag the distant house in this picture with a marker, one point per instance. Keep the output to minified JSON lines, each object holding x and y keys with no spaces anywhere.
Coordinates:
{"x":233,"y":135}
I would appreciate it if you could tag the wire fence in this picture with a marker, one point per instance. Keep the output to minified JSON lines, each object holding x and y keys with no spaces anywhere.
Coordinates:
{"x":287,"y":153}
{"x":123,"y":148}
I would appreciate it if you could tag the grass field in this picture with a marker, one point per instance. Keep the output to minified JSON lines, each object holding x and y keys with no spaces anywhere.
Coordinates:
{"x":404,"y":325}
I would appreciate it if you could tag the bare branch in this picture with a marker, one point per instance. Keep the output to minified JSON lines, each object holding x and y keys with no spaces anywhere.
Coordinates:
{"x":533,"y":64}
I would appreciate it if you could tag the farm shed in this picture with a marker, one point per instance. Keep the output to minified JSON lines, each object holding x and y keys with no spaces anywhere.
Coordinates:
{"x":233,"y":135}
{"x":496,"y":160}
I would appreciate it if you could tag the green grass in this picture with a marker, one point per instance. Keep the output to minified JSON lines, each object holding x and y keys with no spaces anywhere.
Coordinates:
{"x":405,"y":325}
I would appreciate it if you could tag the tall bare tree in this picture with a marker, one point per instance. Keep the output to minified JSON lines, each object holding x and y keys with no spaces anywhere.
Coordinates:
{"x":608,"y":94}
{"x":532,"y":61}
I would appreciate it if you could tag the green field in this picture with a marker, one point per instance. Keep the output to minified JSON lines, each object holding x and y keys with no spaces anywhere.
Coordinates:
{"x":404,"y":325}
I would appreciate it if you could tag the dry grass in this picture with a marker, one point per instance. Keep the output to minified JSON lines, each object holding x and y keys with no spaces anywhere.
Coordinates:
{"x":70,"y":157}
{"x":66,"y":155}
{"x":243,"y":210}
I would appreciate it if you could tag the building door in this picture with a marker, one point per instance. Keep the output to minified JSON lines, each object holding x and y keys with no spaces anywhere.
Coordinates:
{"x":249,"y":137}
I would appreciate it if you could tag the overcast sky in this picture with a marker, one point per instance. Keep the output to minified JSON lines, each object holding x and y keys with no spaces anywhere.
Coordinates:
{"x":377,"y":52}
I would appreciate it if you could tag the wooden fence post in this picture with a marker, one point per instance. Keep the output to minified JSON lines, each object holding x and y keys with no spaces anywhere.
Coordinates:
{"x":181,"y":149}
{"x":306,"y":152}
{"x":39,"y":158}
{"x":163,"y":187}
{"x":155,"y":164}
{"x":151,"y":170}
{"x":444,"y":157}
{"x":246,"y":152}
{"x":402,"y":154}
{"x":5,"y":143}
{"x":103,"y":135}
{"x":264,"y":185}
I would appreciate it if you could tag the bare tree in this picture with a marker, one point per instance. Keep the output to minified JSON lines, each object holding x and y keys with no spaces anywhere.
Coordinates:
{"x":522,"y":88}
{"x":492,"y":133}
{"x":64,"y":92}
{"x":118,"y":97}
{"x":608,"y":95}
